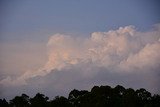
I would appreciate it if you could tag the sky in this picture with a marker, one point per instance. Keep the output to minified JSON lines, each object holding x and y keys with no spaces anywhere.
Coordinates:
{"x":54,"y":46}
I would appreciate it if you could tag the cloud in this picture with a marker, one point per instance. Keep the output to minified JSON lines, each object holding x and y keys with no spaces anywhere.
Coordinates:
{"x":123,"y":56}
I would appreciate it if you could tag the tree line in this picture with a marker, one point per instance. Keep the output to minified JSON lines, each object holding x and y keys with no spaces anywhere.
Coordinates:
{"x":99,"y":96}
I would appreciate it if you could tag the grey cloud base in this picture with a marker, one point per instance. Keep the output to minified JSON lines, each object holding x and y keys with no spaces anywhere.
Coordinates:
{"x":62,"y":82}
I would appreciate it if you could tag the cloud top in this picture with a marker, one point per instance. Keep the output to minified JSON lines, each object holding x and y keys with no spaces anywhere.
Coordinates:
{"x":124,"y":49}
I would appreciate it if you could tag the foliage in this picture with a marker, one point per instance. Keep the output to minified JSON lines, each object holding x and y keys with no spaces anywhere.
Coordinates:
{"x":103,"y":96}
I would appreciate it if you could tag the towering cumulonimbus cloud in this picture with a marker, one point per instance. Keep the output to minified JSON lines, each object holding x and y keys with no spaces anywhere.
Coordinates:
{"x":121,"y":51}
{"x":124,"y":49}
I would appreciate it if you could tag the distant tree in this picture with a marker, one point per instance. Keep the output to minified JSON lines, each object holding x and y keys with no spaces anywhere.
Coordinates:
{"x":129,"y":99}
{"x":4,"y":103}
{"x":105,"y":90}
{"x":75,"y":96}
{"x":60,"y":102}
{"x":155,"y":101}
{"x":99,"y":96}
{"x":20,"y":101}
{"x":39,"y":100}
{"x":119,"y":90}
{"x":115,"y":96}
{"x":144,"y":97}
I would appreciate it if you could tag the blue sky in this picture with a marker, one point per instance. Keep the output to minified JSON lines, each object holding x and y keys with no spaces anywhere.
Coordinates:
{"x":35,"y":19}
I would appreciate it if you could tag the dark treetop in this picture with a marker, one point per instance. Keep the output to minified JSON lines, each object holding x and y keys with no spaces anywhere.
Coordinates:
{"x":103,"y":96}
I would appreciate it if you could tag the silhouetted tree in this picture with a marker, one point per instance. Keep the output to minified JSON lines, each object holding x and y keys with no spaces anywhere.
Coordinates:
{"x":4,"y":103}
{"x":60,"y":102}
{"x":129,"y":99}
{"x":75,"y":96}
{"x":39,"y":100}
{"x":144,"y":97}
{"x":103,"y":96}
{"x":155,"y":101}
{"x":20,"y":101}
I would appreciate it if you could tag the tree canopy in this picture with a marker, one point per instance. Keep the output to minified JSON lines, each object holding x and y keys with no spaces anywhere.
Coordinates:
{"x":99,"y":96}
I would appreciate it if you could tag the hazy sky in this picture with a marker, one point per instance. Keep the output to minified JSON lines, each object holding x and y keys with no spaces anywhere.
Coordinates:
{"x":46,"y":43}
